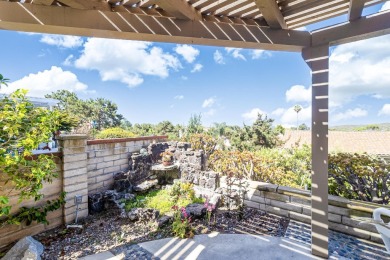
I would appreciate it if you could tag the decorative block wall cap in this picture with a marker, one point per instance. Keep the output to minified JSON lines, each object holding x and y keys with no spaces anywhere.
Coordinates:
{"x":72,"y":137}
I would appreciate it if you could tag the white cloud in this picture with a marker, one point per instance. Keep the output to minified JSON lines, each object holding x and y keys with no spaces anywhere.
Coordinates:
{"x":289,"y":116}
{"x":218,"y":57}
{"x":179,"y":97}
{"x":278,"y":112}
{"x":184,"y":77}
{"x":47,"y":81}
{"x":64,"y":41}
{"x":350,"y":113}
{"x":251,"y":115}
{"x":298,"y":93}
{"x":69,"y":60}
{"x":258,"y":54}
{"x":197,"y":67}
{"x":360,"y":69}
{"x":385,"y":6}
{"x":126,"y":61}
{"x":188,"y":52}
{"x":235,"y":52}
{"x":385,"y":111}
{"x":210,"y":112}
{"x":208,"y":102}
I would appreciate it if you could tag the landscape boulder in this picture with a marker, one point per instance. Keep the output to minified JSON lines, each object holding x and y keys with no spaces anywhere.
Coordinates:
{"x":25,"y":249}
{"x":196,"y":210}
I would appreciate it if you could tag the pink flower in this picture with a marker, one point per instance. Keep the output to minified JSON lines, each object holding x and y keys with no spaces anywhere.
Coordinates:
{"x":175,"y":207}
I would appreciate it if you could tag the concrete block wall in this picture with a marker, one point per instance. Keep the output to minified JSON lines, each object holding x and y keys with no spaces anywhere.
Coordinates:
{"x":51,"y":191}
{"x":344,"y":215}
{"x":83,"y":167}
{"x":110,"y":156}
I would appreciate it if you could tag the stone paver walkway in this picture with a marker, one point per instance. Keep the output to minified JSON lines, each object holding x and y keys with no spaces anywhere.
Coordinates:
{"x":340,"y":245}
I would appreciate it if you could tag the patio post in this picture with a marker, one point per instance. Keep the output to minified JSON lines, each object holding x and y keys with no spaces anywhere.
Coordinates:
{"x":317,"y":59}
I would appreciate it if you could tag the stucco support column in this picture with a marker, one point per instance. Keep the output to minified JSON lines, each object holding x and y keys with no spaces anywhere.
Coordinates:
{"x":318,"y":60}
{"x":75,"y":178}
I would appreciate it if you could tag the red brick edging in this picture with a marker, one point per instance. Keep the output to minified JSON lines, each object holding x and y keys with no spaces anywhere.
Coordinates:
{"x":122,"y":140}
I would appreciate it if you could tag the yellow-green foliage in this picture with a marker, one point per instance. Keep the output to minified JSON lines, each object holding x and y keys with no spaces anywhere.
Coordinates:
{"x":181,"y":194}
{"x":22,"y":128}
{"x":115,"y":132}
{"x":359,"y":176}
{"x":282,"y":167}
{"x":204,"y":142}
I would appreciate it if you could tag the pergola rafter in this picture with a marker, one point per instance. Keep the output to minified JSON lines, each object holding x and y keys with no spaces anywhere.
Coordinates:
{"x":355,"y":9}
{"x":123,"y":24}
{"x":271,"y":13}
{"x":257,"y":24}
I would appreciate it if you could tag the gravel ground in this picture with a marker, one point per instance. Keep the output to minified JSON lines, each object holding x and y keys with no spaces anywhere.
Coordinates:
{"x":107,"y":231}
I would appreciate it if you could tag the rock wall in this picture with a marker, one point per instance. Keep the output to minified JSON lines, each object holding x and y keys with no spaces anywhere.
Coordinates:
{"x":110,"y":156}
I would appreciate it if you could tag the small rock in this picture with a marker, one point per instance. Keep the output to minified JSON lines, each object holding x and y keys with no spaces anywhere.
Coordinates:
{"x":163,"y":221}
{"x":146,"y":185}
{"x":133,"y":214}
{"x":196,"y":210}
{"x":215,"y":199}
{"x":25,"y":249}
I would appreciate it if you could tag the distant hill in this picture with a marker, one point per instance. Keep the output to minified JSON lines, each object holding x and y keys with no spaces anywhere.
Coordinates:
{"x":361,"y":128}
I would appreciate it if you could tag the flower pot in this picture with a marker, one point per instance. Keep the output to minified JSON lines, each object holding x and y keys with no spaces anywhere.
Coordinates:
{"x":167,"y":163}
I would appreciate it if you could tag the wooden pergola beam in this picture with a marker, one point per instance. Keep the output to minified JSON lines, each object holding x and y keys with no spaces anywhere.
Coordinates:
{"x":179,"y":9}
{"x":43,"y":2}
{"x":355,"y":9}
{"x":363,"y":28}
{"x":271,"y":13}
{"x":126,"y":25}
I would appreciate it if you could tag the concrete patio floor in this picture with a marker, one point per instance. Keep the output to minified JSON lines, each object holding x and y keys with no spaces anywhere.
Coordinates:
{"x":226,"y":246}
{"x":295,"y":244}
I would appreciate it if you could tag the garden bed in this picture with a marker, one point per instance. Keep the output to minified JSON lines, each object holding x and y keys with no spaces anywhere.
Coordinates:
{"x":107,"y":231}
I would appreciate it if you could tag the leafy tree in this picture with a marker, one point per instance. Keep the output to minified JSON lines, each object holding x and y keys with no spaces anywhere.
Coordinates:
{"x":103,"y":112}
{"x":303,"y":127}
{"x":195,"y":125}
{"x":165,"y":127}
{"x":143,"y":129}
{"x":280,"y":129}
{"x":368,"y":128}
{"x":22,"y":128}
{"x":125,"y":124}
{"x":259,"y":135}
{"x":69,"y":102}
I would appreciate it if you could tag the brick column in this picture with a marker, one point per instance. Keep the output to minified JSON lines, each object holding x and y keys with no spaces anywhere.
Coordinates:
{"x":318,"y":60}
{"x":75,"y":178}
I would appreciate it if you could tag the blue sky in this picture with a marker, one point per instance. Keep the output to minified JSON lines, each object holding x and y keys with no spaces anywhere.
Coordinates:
{"x":152,"y":82}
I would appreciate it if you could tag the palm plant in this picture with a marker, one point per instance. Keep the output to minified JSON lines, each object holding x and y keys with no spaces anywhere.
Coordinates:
{"x":3,"y":81}
{"x":297,"y":109}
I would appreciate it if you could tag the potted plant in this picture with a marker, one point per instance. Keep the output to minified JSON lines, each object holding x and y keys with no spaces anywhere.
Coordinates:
{"x":167,"y":158}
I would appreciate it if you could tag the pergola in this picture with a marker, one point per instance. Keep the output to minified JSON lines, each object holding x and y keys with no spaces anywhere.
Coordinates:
{"x":256,"y":24}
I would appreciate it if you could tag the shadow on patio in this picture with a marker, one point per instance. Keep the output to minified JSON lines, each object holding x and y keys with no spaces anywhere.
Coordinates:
{"x":222,"y":246}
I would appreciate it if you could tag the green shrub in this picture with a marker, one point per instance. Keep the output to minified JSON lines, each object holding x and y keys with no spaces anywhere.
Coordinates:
{"x":164,"y":200}
{"x":22,"y":128}
{"x":115,"y":132}
{"x":359,"y":176}
{"x":287,"y":167}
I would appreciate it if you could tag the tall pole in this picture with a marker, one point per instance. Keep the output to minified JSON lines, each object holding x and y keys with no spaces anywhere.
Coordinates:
{"x":318,"y":60}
